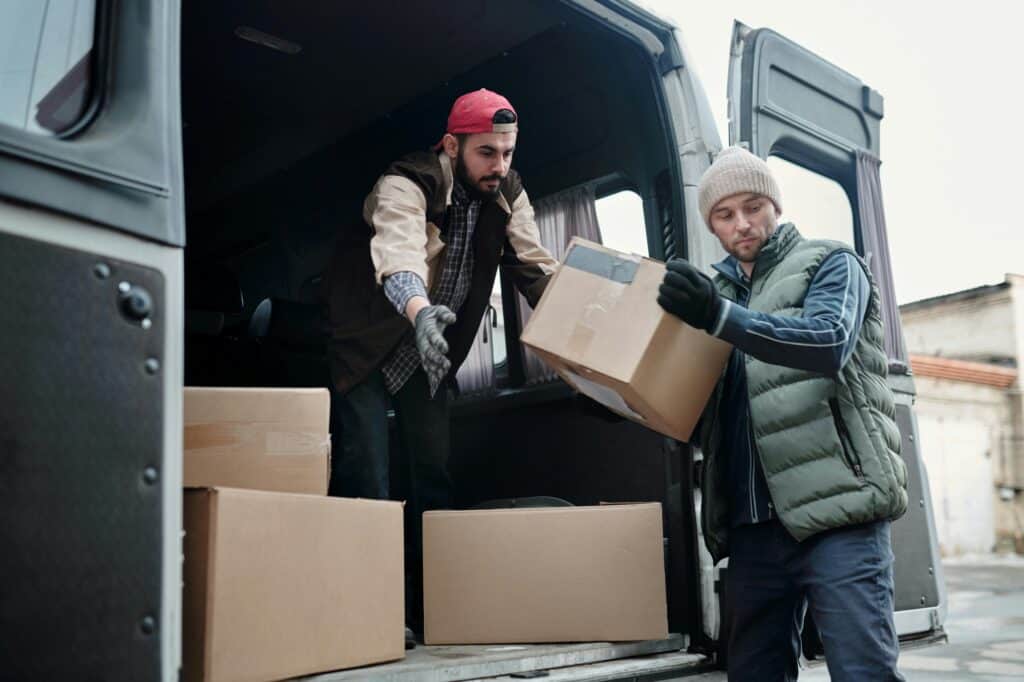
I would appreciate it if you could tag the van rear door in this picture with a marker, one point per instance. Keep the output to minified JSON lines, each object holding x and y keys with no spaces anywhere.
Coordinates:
{"x":789,"y":103}
{"x":91,"y":237}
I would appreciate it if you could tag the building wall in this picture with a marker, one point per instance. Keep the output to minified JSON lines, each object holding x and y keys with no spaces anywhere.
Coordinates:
{"x":975,"y":329}
{"x":1016,"y":283}
{"x":961,"y":426}
{"x":972,"y":435}
{"x":1015,"y":467}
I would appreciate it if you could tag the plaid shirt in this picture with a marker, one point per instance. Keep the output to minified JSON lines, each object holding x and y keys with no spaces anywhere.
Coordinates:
{"x":403,"y":286}
{"x":450,"y":289}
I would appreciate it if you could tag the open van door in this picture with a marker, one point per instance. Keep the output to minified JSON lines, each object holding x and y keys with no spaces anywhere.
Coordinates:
{"x":91,"y":237}
{"x":787,"y":102}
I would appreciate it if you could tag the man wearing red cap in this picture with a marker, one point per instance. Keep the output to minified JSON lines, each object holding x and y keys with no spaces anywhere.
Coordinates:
{"x":407,"y":291}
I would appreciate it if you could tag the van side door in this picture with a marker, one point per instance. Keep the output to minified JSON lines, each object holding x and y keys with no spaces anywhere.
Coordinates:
{"x":91,"y":238}
{"x":788,"y":103}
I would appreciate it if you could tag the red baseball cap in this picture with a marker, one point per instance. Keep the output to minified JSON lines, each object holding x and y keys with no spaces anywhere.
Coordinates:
{"x":474,"y":113}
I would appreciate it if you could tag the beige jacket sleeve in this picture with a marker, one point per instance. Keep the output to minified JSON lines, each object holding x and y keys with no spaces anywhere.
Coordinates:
{"x":528,"y":262}
{"x":397,"y":211}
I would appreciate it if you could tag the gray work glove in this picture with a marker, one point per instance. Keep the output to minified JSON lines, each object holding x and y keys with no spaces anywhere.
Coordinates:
{"x":430,"y":326}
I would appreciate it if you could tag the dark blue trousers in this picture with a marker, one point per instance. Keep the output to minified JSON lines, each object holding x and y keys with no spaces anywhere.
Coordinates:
{"x":361,"y":467}
{"x":843,"y":576}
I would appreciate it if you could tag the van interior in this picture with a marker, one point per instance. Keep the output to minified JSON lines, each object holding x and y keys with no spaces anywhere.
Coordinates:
{"x":291,"y":112}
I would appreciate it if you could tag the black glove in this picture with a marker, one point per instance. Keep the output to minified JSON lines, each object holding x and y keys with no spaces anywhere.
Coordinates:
{"x":430,"y":326}
{"x":689,"y":294}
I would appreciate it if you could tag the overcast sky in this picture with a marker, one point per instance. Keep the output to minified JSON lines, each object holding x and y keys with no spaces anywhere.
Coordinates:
{"x":951,"y":141}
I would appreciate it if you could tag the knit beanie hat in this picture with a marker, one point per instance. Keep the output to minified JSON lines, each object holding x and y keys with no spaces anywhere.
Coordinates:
{"x":735,"y":171}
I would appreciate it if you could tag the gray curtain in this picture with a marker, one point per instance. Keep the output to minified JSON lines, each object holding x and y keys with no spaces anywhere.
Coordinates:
{"x":876,"y":251}
{"x":477,"y":372}
{"x":560,"y":217}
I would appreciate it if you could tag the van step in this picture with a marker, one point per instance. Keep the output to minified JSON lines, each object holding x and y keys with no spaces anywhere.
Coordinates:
{"x":459,"y":663}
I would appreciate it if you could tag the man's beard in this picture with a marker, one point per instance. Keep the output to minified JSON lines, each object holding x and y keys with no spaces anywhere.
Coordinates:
{"x":750,"y":257}
{"x":473,"y":188}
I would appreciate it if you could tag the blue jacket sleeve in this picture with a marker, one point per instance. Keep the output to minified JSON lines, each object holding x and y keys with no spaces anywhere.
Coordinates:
{"x":823,"y":337}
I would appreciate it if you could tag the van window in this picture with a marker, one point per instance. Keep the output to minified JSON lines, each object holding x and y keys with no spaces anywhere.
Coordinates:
{"x":45,"y":53}
{"x":621,"y":218}
{"x":817,"y":205}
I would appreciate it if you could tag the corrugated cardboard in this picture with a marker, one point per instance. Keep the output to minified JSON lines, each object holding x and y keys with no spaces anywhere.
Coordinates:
{"x":258,"y":438}
{"x":279,"y":585}
{"x":600,"y":327}
{"x":567,"y":574}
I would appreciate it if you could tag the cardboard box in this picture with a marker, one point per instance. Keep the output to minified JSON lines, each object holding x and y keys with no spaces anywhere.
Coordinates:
{"x":600,"y":327}
{"x":259,"y":438}
{"x":565,"y":574}
{"x":279,"y":585}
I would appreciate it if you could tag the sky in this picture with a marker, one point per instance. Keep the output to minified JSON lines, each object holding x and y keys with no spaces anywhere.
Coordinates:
{"x":951,"y":147}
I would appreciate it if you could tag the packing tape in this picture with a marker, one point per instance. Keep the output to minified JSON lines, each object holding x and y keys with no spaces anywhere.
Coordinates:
{"x":619,"y":268}
{"x":592,"y":317}
{"x":580,"y":338}
{"x":274,"y":441}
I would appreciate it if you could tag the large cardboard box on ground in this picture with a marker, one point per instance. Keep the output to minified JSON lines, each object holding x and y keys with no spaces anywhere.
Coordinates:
{"x":279,"y":585}
{"x":600,"y":327}
{"x":566,"y":574}
{"x":258,"y":438}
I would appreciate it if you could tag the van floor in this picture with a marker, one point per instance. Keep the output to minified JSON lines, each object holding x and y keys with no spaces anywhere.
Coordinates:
{"x":589,"y":661}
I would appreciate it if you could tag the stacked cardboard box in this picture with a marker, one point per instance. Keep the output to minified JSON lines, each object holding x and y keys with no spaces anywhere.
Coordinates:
{"x":262,"y":439}
{"x":563,"y":574}
{"x":280,"y":580}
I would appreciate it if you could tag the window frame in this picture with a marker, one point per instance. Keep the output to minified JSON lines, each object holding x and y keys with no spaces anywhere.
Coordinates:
{"x":849,"y":193}
{"x":120,"y":167}
{"x":96,"y":83}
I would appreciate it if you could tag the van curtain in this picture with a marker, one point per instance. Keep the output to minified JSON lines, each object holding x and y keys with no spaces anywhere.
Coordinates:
{"x":876,"y":252}
{"x":560,"y":217}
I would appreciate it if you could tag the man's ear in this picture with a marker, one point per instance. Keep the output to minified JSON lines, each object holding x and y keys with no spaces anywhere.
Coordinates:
{"x":451,"y":145}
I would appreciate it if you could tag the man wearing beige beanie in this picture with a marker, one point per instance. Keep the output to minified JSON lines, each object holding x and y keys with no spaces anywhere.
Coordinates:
{"x":802,"y":473}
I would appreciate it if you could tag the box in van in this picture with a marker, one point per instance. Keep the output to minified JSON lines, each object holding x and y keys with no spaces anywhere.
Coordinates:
{"x":278,"y":585}
{"x":600,"y":327}
{"x":259,"y":438}
{"x":560,"y":574}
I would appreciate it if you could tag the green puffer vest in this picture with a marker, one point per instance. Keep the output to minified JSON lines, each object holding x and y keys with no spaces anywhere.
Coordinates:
{"x":829,"y":446}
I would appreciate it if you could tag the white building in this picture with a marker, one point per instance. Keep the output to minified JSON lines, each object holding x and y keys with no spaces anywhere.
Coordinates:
{"x":965,"y":350}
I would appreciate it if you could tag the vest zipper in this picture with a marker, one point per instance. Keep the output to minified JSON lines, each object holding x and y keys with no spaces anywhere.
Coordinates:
{"x":844,"y":439}
{"x":752,"y":483}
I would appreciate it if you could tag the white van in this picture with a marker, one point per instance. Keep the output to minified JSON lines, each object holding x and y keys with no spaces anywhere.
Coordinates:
{"x":167,"y":168}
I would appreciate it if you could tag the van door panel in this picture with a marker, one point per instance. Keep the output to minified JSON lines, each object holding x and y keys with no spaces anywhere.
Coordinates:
{"x":788,"y":102}
{"x":916,"y":569}
{"x":82,"y":443}
{"x":90,"y":386}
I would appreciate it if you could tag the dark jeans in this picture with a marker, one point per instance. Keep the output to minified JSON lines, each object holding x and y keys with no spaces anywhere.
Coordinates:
{"x":362,"y":466}
{"x":844,"y":576}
